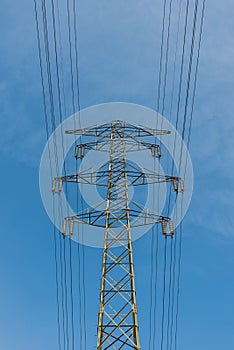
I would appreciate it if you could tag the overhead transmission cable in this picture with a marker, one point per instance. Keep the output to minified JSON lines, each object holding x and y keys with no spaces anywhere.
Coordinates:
{"x":169,"y":292}
{"x":62,"y":240}
{"x":180,"y":159}
{"x":189,"y":134}
{"x":195,"y":80}
{"x":180,"y":238}
{"x":52,"y":110}
{"x":51,"y":176}
{"x":179,"y":94}
{"x":163,"y":104}
{"x":66,"y":266}
{"x":183,"y":135}
{"x":161,"y":85}
{"x":167,"y":57}
{"x":53,"y":123}
{"x":55,"y":95}
{"x":171,"y":241}
{"x":188,"y":81}
{"x":80,"y":279}
{"x":50,"y":161}
{"x":154,"y":231}
{"x":82,"y":201}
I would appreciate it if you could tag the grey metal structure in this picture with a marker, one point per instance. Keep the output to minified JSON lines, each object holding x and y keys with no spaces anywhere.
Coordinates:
{"x":117,"y":318}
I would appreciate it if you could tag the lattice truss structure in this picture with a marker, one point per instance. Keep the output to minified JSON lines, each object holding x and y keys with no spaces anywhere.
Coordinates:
{"x":117,"y":318}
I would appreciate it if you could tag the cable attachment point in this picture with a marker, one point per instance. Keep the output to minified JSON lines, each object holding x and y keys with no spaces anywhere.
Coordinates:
{"x":178,"y":184}
{"x":156,"y":151}
{"x":79,"y":151}
{"x":57,"y":185}
{"x":68,"y":227}
{"x":167,"y":227}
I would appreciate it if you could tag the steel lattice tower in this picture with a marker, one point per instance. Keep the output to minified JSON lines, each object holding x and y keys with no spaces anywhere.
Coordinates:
{"x":117,"y":318}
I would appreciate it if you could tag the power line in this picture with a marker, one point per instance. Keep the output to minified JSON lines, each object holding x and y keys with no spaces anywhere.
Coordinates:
{"x":70,"y":56}
{"x":188,"y":80}
{"x":154,"y":274}
{"x":183,"y":131}
{"x":173,"y":283}
{"x":71,"y":293}
{"x":175,"y":59}
{"x":66,"y":191}
{"x":74,"y":122}
{"x":82,"y":281}
{"x":188,"y":144}
{"x":161,"y":54}
{"x":195,"y":79}
{"x":57,"y":285}
{"x":170,"y":293}
{"x":167,"y":56}
{"x":164,"y":292}
{"x":179,"y":94}
{"x":47,"y":136}
{"x":49,"y":78}
{"x":61,"y":57}
{"x":58,"y":87}
{"x":178,"y":282}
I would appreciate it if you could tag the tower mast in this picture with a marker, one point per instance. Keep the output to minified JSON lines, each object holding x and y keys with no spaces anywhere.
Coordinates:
{"x":117,"y":327}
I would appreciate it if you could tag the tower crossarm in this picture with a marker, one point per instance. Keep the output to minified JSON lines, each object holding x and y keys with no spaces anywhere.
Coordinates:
{"x":122,"y":130}
{"x":100,"y":178}
{"x":117,"y":219}
{"x":103,"y":145}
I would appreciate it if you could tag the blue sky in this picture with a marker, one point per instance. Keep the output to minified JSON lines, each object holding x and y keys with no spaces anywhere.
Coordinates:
{"x":118,"y":50}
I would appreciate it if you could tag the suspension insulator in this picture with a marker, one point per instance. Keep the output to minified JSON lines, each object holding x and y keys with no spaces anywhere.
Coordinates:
{"x":77,"y":152}
{"x":82,"y":151}
{"x":164,"y":227}
{"x":57,"y":185}
{"x":71,"y":231}
{"x":171,"y":228}
{"x":64,"y":228}
{"x":54,"y":185}
{"x":178,"y":185}
{"x":181,"y":185}
{"x":68,"y":231}
{"x":153,"y":151}
{"x":167,"y":227}
{"x":60,"y":185}
{"x":175,"y":185}
{"x":159,"y":151}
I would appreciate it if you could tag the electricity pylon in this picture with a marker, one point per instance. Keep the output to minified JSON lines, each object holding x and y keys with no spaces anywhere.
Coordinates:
{"x":117,"y":318}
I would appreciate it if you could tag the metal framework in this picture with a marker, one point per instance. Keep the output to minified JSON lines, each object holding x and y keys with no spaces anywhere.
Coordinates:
{"x":117,"y":318}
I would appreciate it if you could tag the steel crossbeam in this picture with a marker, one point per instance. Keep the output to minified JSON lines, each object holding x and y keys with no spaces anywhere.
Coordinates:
{"x":135,"y":177}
